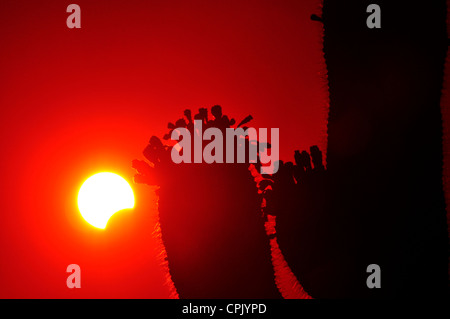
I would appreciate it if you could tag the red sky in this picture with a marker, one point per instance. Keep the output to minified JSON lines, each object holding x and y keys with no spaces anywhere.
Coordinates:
{"x":75,"y":102}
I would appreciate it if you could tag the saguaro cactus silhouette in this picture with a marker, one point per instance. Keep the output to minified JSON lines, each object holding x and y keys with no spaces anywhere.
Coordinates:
{"x":211,"y":222}
{"x":385,"y":144}
{"x":380,"y":201}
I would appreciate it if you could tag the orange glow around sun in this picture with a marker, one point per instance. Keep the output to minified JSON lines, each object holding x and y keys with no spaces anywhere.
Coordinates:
{"x":102,"y":195}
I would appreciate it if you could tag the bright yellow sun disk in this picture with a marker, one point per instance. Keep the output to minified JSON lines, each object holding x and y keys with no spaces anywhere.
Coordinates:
{"x":101,"y":196}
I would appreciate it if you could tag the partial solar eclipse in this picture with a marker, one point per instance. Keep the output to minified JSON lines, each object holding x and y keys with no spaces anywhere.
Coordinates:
{"x":101,"y":196}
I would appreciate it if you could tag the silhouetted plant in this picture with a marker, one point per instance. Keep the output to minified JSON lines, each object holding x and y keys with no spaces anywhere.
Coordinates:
{"x":210,"y":217}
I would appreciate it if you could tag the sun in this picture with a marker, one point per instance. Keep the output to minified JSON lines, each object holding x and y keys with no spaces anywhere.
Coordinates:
{"x":102,"y":195}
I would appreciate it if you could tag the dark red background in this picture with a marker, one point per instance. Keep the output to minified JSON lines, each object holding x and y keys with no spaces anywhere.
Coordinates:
{"x":75,"y":102}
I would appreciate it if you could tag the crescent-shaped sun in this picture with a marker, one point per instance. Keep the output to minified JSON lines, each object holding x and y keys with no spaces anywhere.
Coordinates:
{"x":102,"y":195}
